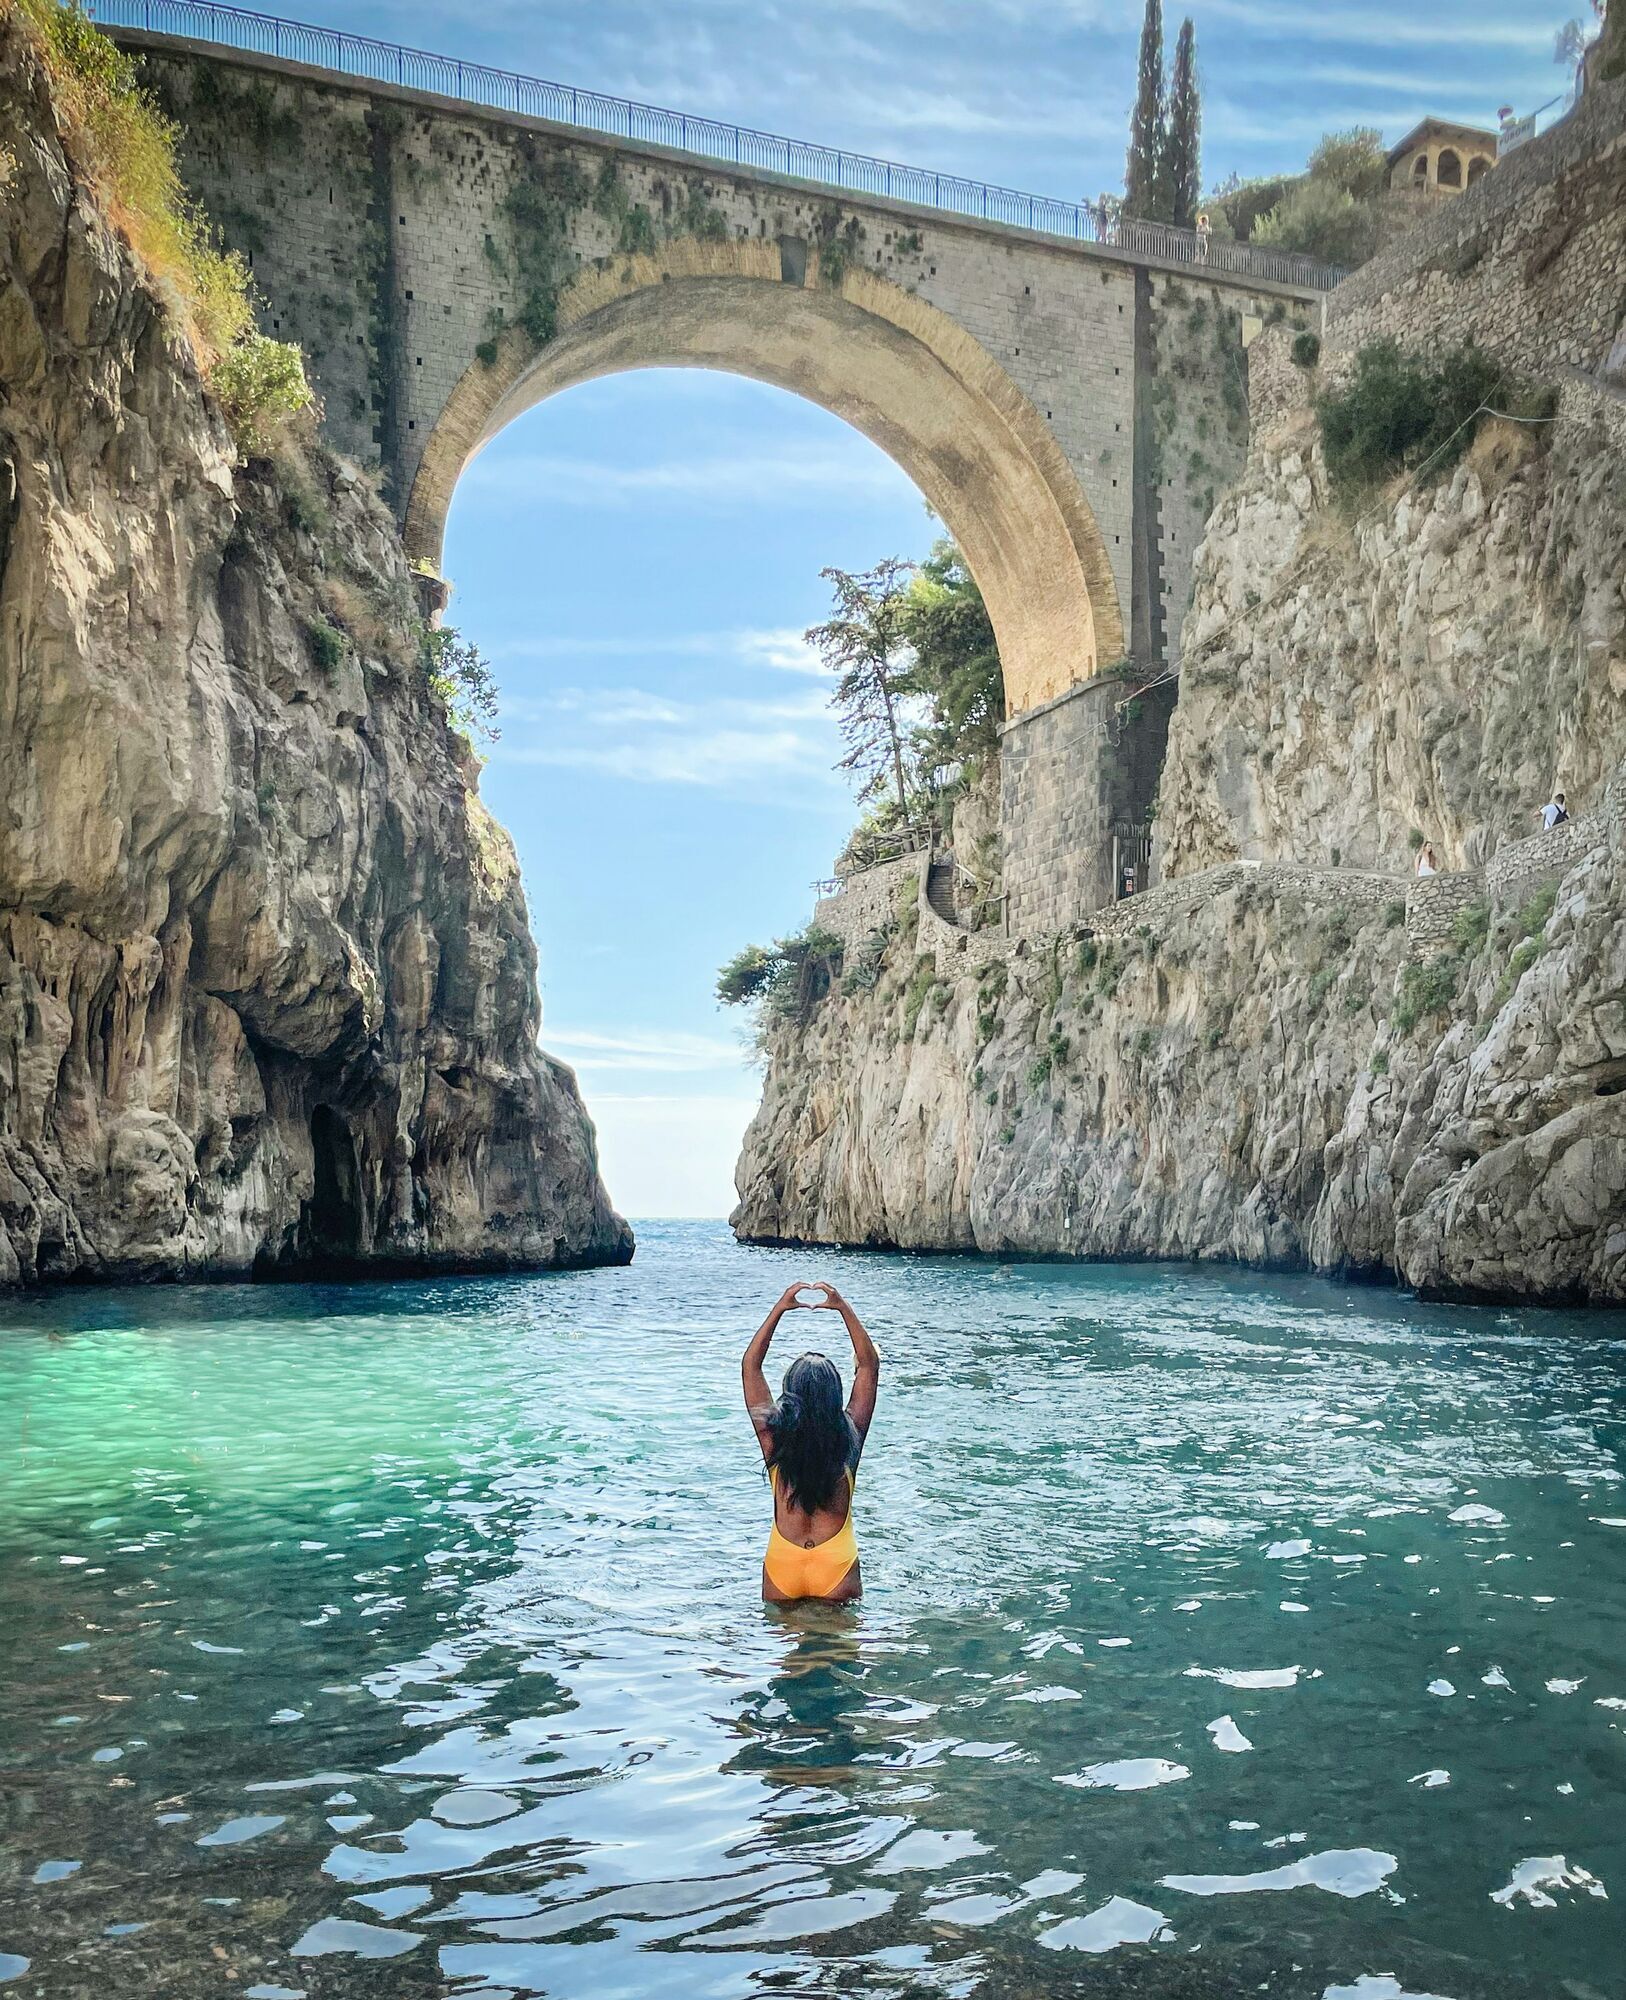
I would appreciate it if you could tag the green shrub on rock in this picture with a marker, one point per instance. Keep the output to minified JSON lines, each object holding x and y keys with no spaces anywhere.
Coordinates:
{"x":1426,"y":989}
{"x":1400,"y":413}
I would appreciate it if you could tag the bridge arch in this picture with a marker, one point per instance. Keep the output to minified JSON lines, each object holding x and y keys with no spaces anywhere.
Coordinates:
{"x":899,"y":370}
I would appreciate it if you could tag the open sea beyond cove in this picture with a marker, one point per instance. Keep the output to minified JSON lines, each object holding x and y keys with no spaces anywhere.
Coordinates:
{"x":1223,"y":1635}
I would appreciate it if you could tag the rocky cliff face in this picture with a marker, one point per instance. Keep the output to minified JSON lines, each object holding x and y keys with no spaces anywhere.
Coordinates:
{"x":1291,"y":1053}
{"x":1438,"y":667}
{"x":1264,"y":1067}
{"x":267,"y":994}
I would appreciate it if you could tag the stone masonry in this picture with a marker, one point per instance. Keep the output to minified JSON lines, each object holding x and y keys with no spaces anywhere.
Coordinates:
{"x":376,"y":220}
{"x":1529,"y":263}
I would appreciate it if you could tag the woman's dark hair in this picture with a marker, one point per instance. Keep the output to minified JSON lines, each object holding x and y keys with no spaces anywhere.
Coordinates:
{"x":813,"y":1438}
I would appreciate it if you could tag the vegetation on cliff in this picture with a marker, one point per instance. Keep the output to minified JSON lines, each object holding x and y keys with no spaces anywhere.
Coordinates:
{"x":125,"y":146}
{"x":920,"y":696}
{"x":1337,"y":210}
{"x":1404,"y":413}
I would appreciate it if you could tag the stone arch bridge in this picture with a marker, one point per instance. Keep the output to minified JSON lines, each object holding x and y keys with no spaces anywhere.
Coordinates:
{"x":1069,"y":408}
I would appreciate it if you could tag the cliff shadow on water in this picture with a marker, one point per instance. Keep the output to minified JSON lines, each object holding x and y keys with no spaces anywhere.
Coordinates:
{"x":268,"y":996}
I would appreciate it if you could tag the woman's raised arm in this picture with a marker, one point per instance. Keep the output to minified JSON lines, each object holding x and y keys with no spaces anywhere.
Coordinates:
{"x":758,"y":1396}
{"x":866,"y":1363}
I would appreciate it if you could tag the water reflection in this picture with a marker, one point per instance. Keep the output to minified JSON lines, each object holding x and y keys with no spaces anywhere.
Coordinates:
{"x":399,"y":1641}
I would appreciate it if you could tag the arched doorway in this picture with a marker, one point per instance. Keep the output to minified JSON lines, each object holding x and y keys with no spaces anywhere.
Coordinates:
{"x":894,"y":367}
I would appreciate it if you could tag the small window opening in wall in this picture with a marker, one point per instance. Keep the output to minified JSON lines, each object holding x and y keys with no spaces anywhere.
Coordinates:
{"x":330,"y":197}
{"x":412,"y":423}
{"x":409,"y":295}
{"x":1019,"y":350}
{"x":1027,"y":291}
{"x":934,"y":270}
{"x":420,"y":360}
{"x":403,"y":222}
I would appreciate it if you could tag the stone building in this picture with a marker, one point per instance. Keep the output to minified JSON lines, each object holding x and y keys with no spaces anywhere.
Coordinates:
{"x":1438,"y":157}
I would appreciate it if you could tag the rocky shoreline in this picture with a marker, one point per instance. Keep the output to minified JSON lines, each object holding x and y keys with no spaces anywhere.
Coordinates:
{"x":1291,"y":1055}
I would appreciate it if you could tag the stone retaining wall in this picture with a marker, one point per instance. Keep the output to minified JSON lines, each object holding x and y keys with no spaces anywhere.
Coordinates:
{"x":1433,"y":904}
{"x":1530,"y":262}
{"x":872,"y":898}
{"x":1515,"y":872}
{"x":1278,"y":388}
{"x":953,"y":947}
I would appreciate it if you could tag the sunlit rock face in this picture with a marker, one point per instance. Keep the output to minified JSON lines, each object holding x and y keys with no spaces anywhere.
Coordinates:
{"x":1279,"y":1057}
{"x":267,"y":994}
{"x":1436,"y":667}
{"x":1231,"y":1080}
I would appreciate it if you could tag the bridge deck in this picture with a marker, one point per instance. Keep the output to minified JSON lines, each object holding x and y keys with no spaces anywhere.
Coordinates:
{"x":300,"y":47}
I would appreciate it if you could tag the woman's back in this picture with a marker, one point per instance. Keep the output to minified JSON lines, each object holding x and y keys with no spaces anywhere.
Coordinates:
{"x":811,"y":1445}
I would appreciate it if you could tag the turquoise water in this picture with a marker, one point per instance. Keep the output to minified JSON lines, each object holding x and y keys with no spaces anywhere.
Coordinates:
{"x":1223,"y":1635}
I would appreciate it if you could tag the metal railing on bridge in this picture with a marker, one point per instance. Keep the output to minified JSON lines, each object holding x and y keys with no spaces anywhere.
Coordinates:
{"x":708,"y":138}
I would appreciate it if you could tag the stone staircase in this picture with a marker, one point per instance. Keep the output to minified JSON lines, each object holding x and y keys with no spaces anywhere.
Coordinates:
{"x":940,"y":887}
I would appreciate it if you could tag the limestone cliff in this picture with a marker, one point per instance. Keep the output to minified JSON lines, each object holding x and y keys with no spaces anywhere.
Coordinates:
{"x":267,"y":994}
{"x":1292,"y":1052}
{"x":1433,"y":669}
{"x":1264,"y":1067}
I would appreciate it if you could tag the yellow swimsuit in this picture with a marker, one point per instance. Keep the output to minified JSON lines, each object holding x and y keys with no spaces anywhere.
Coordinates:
{"x":813,"y":1572}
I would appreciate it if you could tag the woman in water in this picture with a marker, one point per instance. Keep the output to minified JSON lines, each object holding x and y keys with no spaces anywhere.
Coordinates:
{"x":811,"y":1445}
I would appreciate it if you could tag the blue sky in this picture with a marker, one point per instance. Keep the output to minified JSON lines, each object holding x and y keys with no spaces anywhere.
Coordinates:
{"x":640,"y":555}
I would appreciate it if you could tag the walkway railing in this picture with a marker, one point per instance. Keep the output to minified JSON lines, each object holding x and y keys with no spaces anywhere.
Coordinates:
{"x":738,"y":145}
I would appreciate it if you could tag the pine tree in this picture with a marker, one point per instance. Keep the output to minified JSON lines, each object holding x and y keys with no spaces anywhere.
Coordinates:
{"x":1181,"y":177}
{"x":1148,"y":133}
{"x":865,"y":646}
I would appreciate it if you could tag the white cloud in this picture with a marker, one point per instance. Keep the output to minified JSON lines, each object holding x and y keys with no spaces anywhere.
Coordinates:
{"x":671,"y":1050}
{"x":732,"y":480}
{"x":786,"y":651}
{"x":785,"y":747}
{"x":1359,"y":25}
{"x":782,"y":649}
{"x":719,"y":760}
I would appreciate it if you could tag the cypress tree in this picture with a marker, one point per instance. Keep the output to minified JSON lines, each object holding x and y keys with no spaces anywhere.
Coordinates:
{"x":1181,"y":177}
{"x":1148,"y":133}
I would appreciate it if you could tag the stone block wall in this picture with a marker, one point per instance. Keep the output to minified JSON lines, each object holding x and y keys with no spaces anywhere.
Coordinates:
{"x":1513,"y":874}
{"x":1530,"y":262}
{"x":1517,"y":871}
{"x":1196,"y":378}
{"x":955,"y":949}
{"x":1364,"y":894}
{"x":1433,"y":904}
{"x":1278,"y":388}
{"x":871,"y":898}
{"x":1055,"y":808}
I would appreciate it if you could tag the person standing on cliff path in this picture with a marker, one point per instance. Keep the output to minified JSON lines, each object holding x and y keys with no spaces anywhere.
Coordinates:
{"x":1554,"y":812}
{"x":1427,"y":861}
{"x":811,"y":1447}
